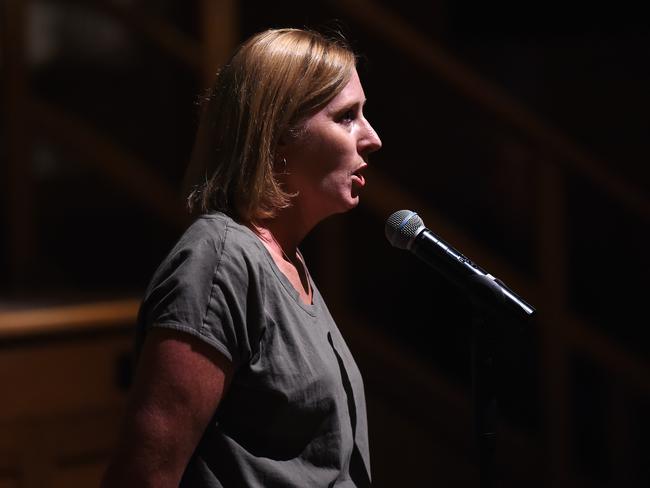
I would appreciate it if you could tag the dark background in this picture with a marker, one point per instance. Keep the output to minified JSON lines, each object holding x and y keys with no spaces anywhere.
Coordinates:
{"x":576,"y":395}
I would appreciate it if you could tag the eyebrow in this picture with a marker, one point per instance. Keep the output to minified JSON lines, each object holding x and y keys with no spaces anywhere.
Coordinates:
{"x":353,"y":103}
{"x":348,"y":105}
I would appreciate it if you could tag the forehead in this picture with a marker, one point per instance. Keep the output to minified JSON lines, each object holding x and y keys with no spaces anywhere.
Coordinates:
{"x":351,"y":93}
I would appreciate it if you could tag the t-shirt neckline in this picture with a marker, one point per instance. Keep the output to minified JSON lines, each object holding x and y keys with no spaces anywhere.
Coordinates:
{"x":286,"y":284}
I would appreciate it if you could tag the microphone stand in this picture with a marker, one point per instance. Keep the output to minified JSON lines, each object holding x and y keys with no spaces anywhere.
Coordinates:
{"x":493,"y":304}
{"x":489,"y":313}
{"x":484,"y":401}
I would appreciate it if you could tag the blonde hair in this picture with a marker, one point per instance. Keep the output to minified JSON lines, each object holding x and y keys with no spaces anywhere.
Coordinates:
{"x":274,"y":81}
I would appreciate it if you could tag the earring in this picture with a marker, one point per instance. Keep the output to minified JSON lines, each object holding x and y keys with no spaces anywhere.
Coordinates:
{"x":282,"y":167}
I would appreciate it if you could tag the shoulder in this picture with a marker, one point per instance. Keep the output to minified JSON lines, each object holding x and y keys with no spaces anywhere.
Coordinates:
{"x":213,"y":237}
{"x":210,"y":244}
{"x":207,"y":234}
{"x":207,"y":280}
{"x":231,"y":244}
{"x":215,"y":250}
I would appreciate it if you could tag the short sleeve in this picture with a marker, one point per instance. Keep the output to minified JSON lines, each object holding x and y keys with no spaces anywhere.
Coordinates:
{"x":202,"y":288}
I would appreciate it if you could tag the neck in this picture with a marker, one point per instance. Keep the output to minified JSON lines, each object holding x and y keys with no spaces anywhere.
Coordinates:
{"x":288,"y":228}
{"x":281,"y":236}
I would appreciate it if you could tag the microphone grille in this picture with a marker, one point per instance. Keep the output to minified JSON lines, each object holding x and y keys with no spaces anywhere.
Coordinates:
{"x":402,"y":227}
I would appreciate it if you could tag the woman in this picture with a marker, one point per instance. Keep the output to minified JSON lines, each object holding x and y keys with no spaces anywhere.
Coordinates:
{"x":243,"y":377}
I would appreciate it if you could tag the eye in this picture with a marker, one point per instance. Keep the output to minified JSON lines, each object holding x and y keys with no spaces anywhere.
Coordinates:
{"x":348,"y":116}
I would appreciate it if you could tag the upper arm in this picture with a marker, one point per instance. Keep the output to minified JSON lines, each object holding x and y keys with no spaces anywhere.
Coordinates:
{"x":178,"y":385}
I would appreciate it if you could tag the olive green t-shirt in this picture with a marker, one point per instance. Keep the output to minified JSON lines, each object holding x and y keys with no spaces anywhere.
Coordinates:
{"x":294,"y":414}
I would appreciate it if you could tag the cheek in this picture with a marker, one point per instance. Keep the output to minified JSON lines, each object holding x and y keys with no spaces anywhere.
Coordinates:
{"x":337,"y":186}
{"x":334,"y":162}
{"x":322,"y":159}
{"x":332,"y":173}
{"x":322,"y":162}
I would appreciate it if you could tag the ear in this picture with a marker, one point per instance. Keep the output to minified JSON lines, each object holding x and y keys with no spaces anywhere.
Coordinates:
{"x":290,"y":135}
{"x":279,"y":164}
{"x":284,"y":139}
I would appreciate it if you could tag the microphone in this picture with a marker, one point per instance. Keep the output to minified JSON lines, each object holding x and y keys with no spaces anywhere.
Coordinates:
{"x":405,"y":230}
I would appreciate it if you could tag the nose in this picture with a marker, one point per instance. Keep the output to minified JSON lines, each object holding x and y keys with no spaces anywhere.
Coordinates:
{"x":370,"y":141}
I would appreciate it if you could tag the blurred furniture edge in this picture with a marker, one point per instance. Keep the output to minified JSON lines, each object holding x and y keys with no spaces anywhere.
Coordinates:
{"x":64,"y":372}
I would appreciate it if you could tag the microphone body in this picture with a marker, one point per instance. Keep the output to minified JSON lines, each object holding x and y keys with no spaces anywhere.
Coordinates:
{"x":405,"y":230}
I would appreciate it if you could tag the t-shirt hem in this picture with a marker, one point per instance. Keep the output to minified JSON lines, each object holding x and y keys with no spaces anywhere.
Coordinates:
{"x":195,"y":333}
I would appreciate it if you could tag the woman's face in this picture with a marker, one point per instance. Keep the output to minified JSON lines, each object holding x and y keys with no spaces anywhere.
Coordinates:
{"x":326,"y":161}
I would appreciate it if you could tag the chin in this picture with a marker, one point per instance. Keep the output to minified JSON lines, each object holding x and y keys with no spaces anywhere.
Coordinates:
{"x":351,"y":203}
{"x":344,"y":206}
{"x":339,"y":203}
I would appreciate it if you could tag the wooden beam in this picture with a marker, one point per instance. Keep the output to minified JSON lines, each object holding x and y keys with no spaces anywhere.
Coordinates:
{"x":157,"y":30}
{"x":219,"y":35}
{"x":92,"y":148}
{"x":29,"y":322}
{"x":19,"y":184}
{"x":551,"y":262}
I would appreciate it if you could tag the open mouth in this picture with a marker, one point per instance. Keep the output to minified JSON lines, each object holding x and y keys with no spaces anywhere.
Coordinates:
{"x":358,"y":177}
